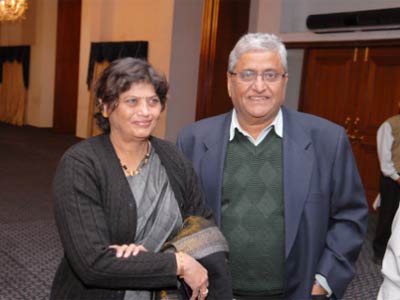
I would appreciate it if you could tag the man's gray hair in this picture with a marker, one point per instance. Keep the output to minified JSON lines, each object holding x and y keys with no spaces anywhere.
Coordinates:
{"x":257,"y":41}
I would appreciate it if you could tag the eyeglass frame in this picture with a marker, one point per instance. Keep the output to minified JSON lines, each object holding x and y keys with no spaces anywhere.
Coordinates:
{"x":278,"y":75}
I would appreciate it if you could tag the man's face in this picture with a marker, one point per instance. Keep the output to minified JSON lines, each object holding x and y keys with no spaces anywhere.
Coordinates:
{"x":257,"y":102}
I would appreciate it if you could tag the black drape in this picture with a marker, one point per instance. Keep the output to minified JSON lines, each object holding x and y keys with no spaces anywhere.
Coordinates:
{"x":18,"y":53}
{"x":112,"y":50}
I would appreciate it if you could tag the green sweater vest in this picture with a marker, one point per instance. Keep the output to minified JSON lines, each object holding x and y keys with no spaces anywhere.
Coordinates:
{"x":253,"y":215}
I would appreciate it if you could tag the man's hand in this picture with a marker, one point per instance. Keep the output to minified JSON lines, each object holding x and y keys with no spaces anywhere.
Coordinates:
{"x":318,"y":290}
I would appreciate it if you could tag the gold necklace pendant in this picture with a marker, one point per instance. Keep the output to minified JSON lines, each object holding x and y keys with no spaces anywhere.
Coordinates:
{"x":142,"y":163}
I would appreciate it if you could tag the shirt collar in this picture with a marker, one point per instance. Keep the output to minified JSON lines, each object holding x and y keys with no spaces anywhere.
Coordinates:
{"x":277,"y":123}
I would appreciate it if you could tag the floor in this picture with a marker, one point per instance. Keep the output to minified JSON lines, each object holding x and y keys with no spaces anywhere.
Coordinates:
{"x":30,"y":249}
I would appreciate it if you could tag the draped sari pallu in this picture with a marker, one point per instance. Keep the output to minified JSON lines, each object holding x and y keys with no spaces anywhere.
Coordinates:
{"x":199,"y":238}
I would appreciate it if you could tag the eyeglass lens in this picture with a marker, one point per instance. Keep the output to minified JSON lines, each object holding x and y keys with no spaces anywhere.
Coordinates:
{"x":251,"y":75}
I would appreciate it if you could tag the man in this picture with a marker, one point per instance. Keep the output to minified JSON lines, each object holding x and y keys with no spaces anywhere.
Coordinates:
{"x":283,"y":185}
{"x":388,"y":142}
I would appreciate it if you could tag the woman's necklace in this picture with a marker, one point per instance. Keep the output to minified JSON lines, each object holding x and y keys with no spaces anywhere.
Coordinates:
{"x":142,"y":163}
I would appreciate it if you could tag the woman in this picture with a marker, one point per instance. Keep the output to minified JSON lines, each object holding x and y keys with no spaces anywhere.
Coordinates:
{"x":122,"y":198}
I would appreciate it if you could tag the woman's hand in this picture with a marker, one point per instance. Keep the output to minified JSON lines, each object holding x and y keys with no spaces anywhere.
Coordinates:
{"x":127,"y":250}
{"x":194,"y":274}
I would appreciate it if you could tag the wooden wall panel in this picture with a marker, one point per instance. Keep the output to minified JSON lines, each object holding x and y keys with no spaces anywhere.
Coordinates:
{"x":358,"y":89}
{"x":67,"y":66}
{"x":224,"y":22}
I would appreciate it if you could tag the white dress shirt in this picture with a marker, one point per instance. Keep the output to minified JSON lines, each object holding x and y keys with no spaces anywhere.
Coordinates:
{"x":277,"y":123}
{"x":384,"y":145}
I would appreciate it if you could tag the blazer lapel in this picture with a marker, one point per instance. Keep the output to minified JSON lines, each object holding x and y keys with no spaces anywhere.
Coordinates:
{"x":298,"y":163}
{"x":212,"y":164}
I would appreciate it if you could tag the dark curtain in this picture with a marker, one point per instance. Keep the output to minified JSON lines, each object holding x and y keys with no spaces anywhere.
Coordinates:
{"x":110,"y":51}
{"x":19,"y":53}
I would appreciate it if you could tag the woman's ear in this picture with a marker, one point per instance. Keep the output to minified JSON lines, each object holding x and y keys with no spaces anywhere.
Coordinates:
{"x":103,"y":108}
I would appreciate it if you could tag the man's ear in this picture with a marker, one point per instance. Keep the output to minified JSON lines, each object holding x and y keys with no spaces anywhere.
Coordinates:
{"x":229,"y":83}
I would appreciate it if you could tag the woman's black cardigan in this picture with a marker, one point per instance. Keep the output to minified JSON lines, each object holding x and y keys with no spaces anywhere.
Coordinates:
{"x":95,"y":208}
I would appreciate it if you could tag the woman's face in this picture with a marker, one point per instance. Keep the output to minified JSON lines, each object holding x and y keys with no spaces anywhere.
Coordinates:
{"x":136,"y":113}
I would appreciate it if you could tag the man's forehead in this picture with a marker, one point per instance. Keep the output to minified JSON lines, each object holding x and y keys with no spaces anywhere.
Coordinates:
{"x":256,"y":57}
{"x":259,"y":52}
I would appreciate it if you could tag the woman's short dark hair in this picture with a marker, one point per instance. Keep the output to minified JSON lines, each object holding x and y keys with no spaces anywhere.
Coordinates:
{"x":118,"y":77}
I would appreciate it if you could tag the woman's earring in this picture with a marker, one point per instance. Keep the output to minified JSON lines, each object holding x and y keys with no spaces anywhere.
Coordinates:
{"x":104,"y":114}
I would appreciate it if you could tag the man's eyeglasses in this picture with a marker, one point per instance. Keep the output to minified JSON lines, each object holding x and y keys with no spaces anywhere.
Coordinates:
{"x":250,"y":76}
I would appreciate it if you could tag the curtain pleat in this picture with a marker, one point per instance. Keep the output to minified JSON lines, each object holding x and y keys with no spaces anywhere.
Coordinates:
{"x":109,"y":51}
{"x":21,"y":54}
{"x":97,"y":70}
{"x":12,"y":94}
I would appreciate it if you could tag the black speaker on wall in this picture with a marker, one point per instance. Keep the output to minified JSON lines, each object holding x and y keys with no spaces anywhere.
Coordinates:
{"x":366,"y":20}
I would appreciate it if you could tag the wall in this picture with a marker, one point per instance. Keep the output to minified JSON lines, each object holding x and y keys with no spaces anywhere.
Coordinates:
{"x":265,"y":15}
{"x":124,"y":20}
{"x":39,"y":31}
{"x":172,"y":27}
{"x":288,"y":18}
{"x":294,"y":14}
{"x":185,"y":56}
{"x":295,"y":65}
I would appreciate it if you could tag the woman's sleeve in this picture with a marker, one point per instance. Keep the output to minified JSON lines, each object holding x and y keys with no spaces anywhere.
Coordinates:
{"x":85,"y":234}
